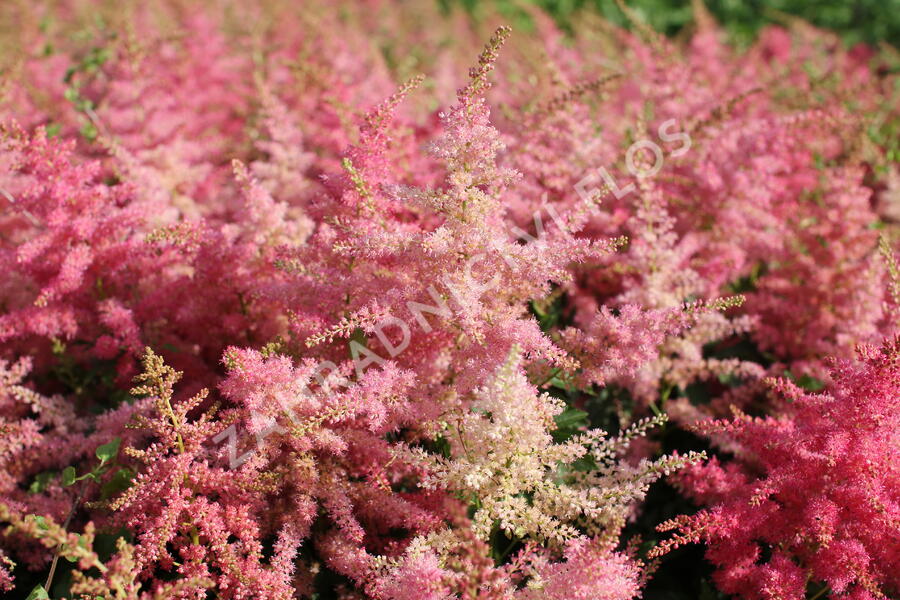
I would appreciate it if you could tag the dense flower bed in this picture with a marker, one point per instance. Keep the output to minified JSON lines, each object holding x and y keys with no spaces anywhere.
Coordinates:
{"x":316,"y":303}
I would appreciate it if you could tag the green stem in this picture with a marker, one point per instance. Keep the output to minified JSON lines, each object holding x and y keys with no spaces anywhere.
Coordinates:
{"x":819,"y":593}
{"x":65,"y":526}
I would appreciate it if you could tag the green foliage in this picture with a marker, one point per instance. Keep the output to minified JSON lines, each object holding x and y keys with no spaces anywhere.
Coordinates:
{"x":568,"y":423}
{"x":549,"y":312}
{"x":75,"y":76}
{"x":119,"y":482}
{"x":571,"y":418}
{"x":37,"y":593}
{"x":106,"y":453}
{"x":82,"y":542}
{"x":69,"y":476}
{"x":806,"y":381}
{"x":92,"y":379}
{"x":41,"y":481}
{"x":40,"y":521}
{"x":869,"y":21}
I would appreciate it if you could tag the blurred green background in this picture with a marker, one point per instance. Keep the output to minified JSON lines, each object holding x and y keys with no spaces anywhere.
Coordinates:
{"x":870,"y":21}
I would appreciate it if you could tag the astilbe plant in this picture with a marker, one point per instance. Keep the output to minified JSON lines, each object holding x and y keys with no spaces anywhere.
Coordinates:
{"x":502,"y":454}
{"x":748,"y":198}
{"x":374,"y":323}
{"x":811,"y":498}
{"x":188,"y":514}
{"x":450,"y":226}
{"x":63,"y":241}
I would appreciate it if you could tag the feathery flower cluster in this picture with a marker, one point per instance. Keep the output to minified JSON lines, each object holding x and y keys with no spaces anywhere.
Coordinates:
{"x":812,"y":497}
{"x":274,"y":324}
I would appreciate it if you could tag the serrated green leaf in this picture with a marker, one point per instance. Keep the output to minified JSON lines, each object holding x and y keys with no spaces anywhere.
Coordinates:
{"x":570,"y":418}
{"x":37,"y":593}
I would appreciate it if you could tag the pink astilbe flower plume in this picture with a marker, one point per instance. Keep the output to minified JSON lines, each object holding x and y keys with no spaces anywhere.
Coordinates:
{"x":419,"y":340}
{"x":816,"y":486}
{"x":171,"y":504}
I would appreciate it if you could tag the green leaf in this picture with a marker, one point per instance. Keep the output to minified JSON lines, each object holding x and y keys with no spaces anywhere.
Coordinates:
{"x":358,"y":336}
{"x":37,"y":593}
{"x":82,"y":543}
{"x":59,"y":347}
{"x":41,"y":481}
{"x":105,"y":543}
{"x":806,"y":382}
{"x":89,"y":132}
{"x":585,"y":464}
{"x":810,"y":383}
{"x":570,"y":418}
{"x":558,"y":383}
{"x":68,"y":476}
{"x":108,"y":451}
{"x":567,"y":424}
{"x":41,"y":522}
{"x":119,"y":482}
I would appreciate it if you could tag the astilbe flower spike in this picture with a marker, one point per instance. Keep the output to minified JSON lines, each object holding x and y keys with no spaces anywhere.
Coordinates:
{"x":816,"y":487}
{"x":367,"y":301}
{"x":170,"y":504}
